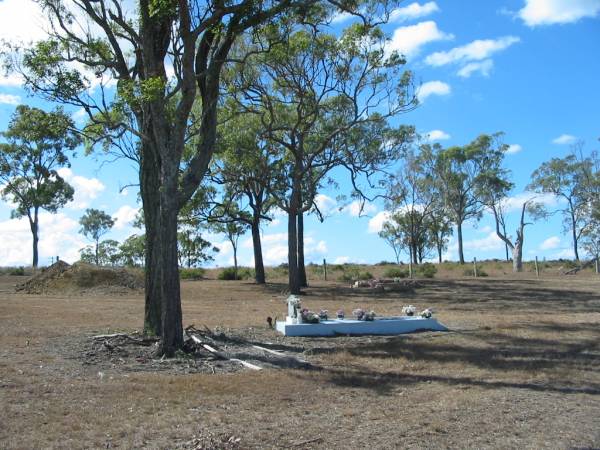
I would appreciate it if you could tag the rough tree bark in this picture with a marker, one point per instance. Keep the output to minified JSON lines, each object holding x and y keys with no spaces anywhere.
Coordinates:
{"x":301,"y":265}
{"x":459,"y":236}
{"x":259,"y":268}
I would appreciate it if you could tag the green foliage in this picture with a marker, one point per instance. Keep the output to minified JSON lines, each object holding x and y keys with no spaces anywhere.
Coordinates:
{"x":229,"y":273}
{"x":395,"y":272}
{"x":193,"y":249}
{"x":95,"y":223}
{"x":426,"y":270}
{"x":133,"y":251}
{"x":36,"y":146}
{"x":17,"y":271}
{"x":196,"y":273}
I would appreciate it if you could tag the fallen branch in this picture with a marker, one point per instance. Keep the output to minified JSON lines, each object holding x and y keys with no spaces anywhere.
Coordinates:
{"x":221,"y":355}
{"x":309,"y":441}
{"x":581,"y":267}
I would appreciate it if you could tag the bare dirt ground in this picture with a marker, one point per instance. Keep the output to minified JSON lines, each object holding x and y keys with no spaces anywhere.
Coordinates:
{"x":519,"y":369}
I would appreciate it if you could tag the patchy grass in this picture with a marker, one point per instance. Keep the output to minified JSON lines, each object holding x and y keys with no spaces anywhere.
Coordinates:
{"x":520,"y":368}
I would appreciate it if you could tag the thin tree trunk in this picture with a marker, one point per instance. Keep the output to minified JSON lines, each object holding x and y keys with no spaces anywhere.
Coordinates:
{"x":172,"y":327}
{"x":301,"y":266}
{"x":150,"y":193}
{"x":461,"y":256}
{"x":96,"y":253}
{"x":259,"y":268}
{"x":235,"y":260}
{"x":293,"y":274}
{"x":439,"y":249}
{"x":35,"y":232}
{"x":574,"y":232}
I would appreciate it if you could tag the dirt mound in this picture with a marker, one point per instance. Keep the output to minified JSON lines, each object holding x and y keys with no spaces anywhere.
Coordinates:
{"x":62,"y":278}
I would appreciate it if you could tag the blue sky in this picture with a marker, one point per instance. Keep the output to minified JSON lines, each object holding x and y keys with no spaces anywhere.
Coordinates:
{"x":529,"y":68}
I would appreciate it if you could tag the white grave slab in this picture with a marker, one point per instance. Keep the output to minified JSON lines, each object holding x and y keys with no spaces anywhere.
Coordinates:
{"x":293,"y":326}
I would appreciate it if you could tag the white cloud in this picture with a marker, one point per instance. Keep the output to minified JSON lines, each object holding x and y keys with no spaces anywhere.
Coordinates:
{"x":58,"y":237}
{"x":124,"y":216}
{"x":483,"y":67}
{"x":341,"y":17}
{"x":551,"y":243}
{"x":86,"y":189}
{"x":376,"y":223}
{"x":489,"y":243}
{"x":433,"y":88}
{"x":567,"y":253}
{"x":21,"y":20}
{"x":436,"y":135}
{"x":477,"y":50}
{"x":341,"y":260}
{"x":11,"y":80}
{"x":410,"y":39}
{"x":413,"y":11}
{"x":548,"y":12}
{"x":354,"y":208}
{"x":564,"y":139}
{"x":515,"y":203}
{"x":326,"y":204}
{"x":8,"y":99}
{"x":513,"y":148}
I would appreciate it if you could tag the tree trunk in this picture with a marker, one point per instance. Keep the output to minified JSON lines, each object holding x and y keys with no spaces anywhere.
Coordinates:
{"x":34,"y":225}
{"x":301,"y":266}
{"x":439,"y":249}
{"x":518,"y":257}
{"x":574,"y":232}
{"x":96,"y":253}
{"x":172,"y":327}
{"x":150,"y":193}
{"x":235,"y":260}
{"x":259,"y":268}
{"x":461,"y":256}
{"x":293,"y":274}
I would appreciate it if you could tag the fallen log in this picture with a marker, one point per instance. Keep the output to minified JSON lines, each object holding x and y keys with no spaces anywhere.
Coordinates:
{"x":222,"y":355}
{"x":581,"y":267}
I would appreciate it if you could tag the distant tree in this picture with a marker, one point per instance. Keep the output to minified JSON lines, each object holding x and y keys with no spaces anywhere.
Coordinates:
{"x":95,"y":224}
{"x":392,"y":235}
{"x":247,"y":168}
{"x":225,"y":220}
{"x":108,"y":253}
{"x":36,"y":146}
{"x":460,"y":173}
{"x":132,"y":251}
{"x":440,"y":230}
{"x":573,"y":179}
{"x":193,"y":249}
{"x":412,"y":197}
{"x":311,"y":93}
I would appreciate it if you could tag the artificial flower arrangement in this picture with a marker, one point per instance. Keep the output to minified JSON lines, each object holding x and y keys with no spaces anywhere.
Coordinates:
{"x":340,"y":313}
{"x":309,"y":316}
{"x":409,"y":310}
{"x":323,"y":314}
{"x":361,"y":314}
{"x":426,"y":313}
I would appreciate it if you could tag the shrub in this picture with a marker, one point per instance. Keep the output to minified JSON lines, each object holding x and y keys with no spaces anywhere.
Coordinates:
{"x":366,"y":275}
{"x":385,"y":263}
{"x":395,"y":272}
{"x":243,"y":273}
{"x":191,"y":273}
{"x":480,"y":272}
{"x":427,"y":270}
{"x":17,"y":271}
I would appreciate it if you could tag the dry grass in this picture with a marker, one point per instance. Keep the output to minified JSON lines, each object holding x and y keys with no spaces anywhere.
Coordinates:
{"x":520,"y":369}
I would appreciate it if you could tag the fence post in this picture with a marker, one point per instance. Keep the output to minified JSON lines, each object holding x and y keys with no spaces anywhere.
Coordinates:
{"x":537,"y":269}
{"x":475,"y":267}
{"x":325,"y":268}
